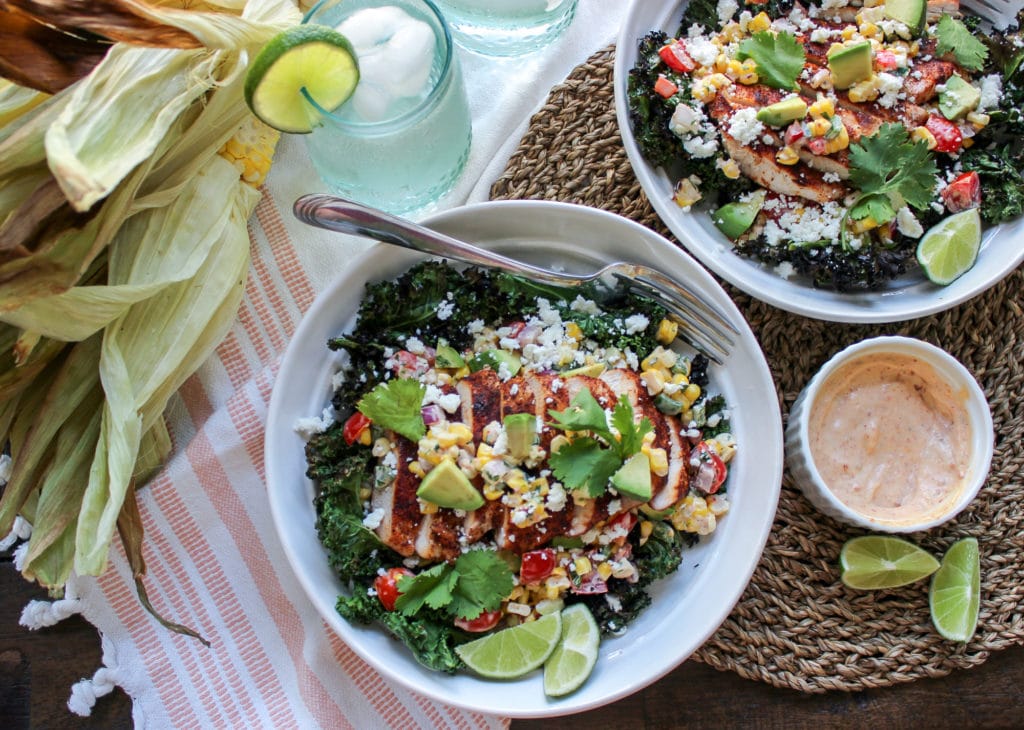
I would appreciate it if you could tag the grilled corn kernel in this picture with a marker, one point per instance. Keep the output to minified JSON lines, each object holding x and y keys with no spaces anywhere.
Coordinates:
{"x":415,"y":468}
{"x":823,"y":108}
{"x":604,"y":570}
{"x":557,"y":443}
{"x":863,"y":91}
{"x":978,"y":120}
{"x":872,"y":3}
{"x":652,"y":360}
{"x":582,"y":565}
{"x":251,"y":151}
{"x":923,"y":133}
{"x":730,"y":169}
{"x":692,"y":392}
{"x":573,"y":330}
{"x":461,"y":372}
{"x":732,"y":32}
{"x":428,"y":508}
{"x":654,"y":380}
{"x":680,"y":379}
{"x":646,"y":528}
{"x":864,"y":224}
{"x":515,"y":481}
{"x":787,"y":156}
{"x":721,"y":63}
{"x":667,"y":331}
{"x":967,"y":142}
{"x":819,"y":127}
{"x":455,"y":435}
{"x":848,"y":32}
{"x":703,"y":91}
{"x":868,"y":30}
{"x":759,"y":22}
{"x":914,"y":49}
{"x":659,"y":461}
{"x":686,"y":193}
{"x":366,"y":437}
{"x":493,"y":491}
{"x":719,"y":80}
{"x":733,"y":68}
{"x":748,"y":78}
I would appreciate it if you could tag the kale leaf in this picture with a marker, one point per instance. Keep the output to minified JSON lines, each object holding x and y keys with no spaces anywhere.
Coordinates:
{"x":431,"y":639}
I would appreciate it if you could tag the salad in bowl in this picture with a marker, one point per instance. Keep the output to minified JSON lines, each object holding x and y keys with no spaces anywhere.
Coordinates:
{"x":839,"y":143}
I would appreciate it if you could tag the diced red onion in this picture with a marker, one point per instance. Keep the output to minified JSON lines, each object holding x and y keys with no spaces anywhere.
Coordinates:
{"x":528,"y":335}
{"x":431,"y":414}
{"x":704,"y":479}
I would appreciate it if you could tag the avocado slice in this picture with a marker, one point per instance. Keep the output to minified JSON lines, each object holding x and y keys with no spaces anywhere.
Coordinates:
{"x":589,"y":370}
{"x":494,"y":359}
{"x":448,"y":357}
{"x":850,"y":64}
{"x":446,"y":486}
{"x":733,"y":219}
{"x":634,"y":477}
{"x":909,"y":12}
{"x":667,"y":405}
{"x":958,"y":98}
{"x":783,"y":112}
{"x":520,"y":428}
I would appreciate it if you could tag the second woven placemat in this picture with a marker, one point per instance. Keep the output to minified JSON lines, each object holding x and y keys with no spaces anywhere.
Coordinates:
{"x":796,"y":625}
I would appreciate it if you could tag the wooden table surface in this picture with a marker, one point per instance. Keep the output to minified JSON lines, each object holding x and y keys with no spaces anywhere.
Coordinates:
{"x":37,"y":670}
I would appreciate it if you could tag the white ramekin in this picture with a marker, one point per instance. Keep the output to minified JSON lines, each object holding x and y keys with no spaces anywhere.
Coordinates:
{"x":804,"y":473}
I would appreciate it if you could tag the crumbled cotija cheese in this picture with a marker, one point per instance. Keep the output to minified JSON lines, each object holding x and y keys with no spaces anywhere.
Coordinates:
{"x":744,"y":126}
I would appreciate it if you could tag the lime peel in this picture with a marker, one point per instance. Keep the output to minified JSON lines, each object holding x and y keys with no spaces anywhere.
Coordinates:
{"x":576,"y":654}
{"x":316,"y":58}
{"x":955,"y":593}
{"x":874,"y":562}
{"x":950,"y":247}
{"x":513,"y":652}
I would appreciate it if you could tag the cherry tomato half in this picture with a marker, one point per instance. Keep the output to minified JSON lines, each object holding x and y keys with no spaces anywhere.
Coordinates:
{"x":536,"y":565}
{"x":354,"y":427}
{"x":484,"y":622}
{"x":947,"y":135}
{"x":885,"y":60}
{"x":963,"y":193}
{"x":707,"y":455}
{"x":665,"y":87}
{"x":387,"y":586}
{"x":676,"y":58}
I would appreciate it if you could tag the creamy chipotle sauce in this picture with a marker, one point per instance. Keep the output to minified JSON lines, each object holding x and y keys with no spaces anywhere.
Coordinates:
{"x":891,"y":438}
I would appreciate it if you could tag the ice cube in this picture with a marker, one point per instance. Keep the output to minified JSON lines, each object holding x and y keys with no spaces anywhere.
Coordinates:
{"x":394,"y":50}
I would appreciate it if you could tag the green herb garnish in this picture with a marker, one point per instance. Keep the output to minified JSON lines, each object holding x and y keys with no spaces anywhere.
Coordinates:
{"x":779,"y":58}
{"x":396,"y":405}
{"x":589,"y":462}
{"x":891,"y":171}
{"x":954,"y":37}
{"x":478,"y":581}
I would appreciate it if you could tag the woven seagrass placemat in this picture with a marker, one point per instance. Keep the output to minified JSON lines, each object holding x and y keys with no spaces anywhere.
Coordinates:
{"x":797,"y":625}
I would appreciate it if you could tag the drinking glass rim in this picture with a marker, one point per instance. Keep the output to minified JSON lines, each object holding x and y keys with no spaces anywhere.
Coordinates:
{"x":420,"y":109}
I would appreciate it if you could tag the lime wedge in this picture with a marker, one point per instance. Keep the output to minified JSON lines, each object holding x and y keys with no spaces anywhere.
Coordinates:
{"x":950,"y":247}
{"x":574,"y":658}
{"x":955,"y":593}
{"x":513,"y":652}
{"x":878,"y":561}
{"x":312,"y":56}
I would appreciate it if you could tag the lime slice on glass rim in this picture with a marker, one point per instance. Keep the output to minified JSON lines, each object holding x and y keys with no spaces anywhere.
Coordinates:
{"x":950,"y":247}
{"x":955,"y":593}
{"x":873,"y":562}
{"x":314,"y":57}
{"x":513,"y":652}
{"x":573,"y":659}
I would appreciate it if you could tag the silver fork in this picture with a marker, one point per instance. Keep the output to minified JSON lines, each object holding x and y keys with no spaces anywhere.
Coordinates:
{"x":997,"y":13}
{"x":700,"y":323}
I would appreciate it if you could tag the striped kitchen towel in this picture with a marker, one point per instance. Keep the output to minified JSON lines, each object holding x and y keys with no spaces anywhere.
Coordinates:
{"x":214,"y":562}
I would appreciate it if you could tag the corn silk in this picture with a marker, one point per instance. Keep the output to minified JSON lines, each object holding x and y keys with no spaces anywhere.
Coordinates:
{"x":123,"y":257}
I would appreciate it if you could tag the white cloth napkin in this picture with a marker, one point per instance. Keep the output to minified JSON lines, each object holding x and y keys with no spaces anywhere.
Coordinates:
{"x":214,"y":561}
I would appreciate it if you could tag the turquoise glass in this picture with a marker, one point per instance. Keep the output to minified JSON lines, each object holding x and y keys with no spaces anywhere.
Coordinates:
{"x":506,"y":27}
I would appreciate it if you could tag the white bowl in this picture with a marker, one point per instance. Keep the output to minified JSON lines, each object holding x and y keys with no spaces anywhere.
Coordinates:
{"x":688,"y":606}
{"x":908,"y":297}
{"x":800,"y":462}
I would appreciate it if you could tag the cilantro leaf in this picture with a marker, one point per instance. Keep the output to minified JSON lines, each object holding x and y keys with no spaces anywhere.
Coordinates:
{"x":583,"y":414}
{"x":432,"y":587}
{"x":584,"y":464}
{"x":779,"y":58}
{"x":485,"y":580}
{"x":396,"y":405}
{"x":631,"y":435}
{"x":954,"y":37}
{"x":478,"y":581}
{"x":877,"y":206}
{"x":890,"y":163}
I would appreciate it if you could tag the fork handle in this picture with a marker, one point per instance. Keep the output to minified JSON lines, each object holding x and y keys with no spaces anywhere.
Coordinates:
{"x":347,"y":216}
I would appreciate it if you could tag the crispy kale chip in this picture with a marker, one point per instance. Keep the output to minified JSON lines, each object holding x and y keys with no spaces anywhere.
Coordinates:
{"x":431,"y":638}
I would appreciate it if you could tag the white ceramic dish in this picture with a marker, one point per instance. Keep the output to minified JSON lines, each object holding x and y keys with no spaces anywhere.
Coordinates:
{"x":801,"y":463}
{"x":906,"y":298}
{"x":688,"y":606}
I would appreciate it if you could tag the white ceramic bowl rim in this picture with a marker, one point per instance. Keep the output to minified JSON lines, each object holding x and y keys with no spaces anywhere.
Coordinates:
{"x":953,"y":372}
{"x":687,"y":606}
